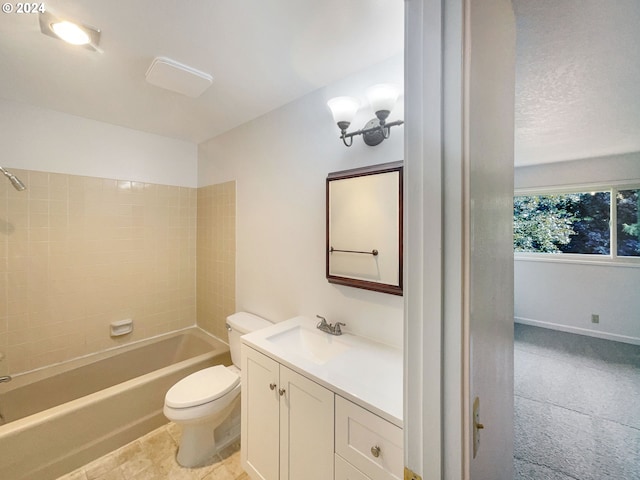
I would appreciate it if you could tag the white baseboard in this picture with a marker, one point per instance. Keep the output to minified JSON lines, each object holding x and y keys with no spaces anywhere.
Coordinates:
{"x":579,"y":331}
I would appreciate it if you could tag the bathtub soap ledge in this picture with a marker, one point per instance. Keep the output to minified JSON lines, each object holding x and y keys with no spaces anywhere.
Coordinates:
{"x":121,"y":327}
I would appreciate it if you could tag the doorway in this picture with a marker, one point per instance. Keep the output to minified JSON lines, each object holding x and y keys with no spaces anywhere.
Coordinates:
{"x":575,"y":364}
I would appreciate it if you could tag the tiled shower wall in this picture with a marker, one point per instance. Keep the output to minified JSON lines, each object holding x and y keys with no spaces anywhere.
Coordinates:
{"x":216,"y":244}
{"x":77,"y":253}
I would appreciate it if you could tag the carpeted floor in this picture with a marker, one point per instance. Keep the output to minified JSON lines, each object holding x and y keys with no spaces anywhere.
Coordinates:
{"x":577,"y":407}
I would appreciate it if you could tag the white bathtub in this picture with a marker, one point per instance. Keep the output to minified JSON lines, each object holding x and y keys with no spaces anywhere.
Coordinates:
{"x":62,"y":417}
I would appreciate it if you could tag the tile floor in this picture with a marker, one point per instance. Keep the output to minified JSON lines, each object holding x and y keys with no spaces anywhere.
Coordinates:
{"x":152,"y":457}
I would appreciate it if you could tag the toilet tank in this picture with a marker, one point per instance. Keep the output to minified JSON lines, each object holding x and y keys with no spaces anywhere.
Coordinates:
{"x":237,"y":325}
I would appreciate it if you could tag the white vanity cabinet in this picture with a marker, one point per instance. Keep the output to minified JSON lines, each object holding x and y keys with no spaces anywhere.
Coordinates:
{"x":346,"y":471}
{"x":287,"y":422}
{"x":367,"y":446}
{"x":317,"y":406}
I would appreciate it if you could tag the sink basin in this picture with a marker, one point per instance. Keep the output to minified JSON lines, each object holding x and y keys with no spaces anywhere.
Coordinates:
{"x":312,"y":345}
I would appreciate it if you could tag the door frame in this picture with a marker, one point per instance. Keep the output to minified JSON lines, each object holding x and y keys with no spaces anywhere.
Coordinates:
{"x":435,"y":372}
{"x":438,"y":214}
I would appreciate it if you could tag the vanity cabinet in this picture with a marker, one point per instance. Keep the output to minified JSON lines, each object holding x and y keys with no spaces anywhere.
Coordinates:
{"x":346,"y":471}
{"x":367,"y":446}
{"x":287,"y":422}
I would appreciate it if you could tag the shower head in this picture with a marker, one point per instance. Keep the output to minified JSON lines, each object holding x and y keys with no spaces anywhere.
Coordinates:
{"x":15,"y":181}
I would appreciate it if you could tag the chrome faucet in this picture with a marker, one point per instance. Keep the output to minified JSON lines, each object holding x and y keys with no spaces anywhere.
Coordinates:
{"x":5,"y":378}
{"x":330,"y":328}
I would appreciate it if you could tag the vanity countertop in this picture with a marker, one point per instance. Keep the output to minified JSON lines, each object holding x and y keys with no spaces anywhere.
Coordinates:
{"x":361,"y":370}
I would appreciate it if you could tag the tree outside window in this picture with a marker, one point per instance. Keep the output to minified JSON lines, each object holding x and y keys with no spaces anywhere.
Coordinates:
{"x":577,"y":223}
{"x":628,"y":222}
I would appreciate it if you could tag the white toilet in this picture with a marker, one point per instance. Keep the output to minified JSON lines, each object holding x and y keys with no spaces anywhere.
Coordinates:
{"x":204,"y":399}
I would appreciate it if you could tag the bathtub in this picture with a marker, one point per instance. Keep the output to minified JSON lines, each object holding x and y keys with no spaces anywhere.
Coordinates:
{"x":62,"y":417}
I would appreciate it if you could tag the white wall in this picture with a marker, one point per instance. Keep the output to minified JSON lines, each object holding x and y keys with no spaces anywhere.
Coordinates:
{"x":34,"y":138}
{"x":563,"y":295}
{"x":578,"y":172}
{"x":280,"y":162}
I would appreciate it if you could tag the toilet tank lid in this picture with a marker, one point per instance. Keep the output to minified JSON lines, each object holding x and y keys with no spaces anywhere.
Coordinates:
{"x":244,"y":322}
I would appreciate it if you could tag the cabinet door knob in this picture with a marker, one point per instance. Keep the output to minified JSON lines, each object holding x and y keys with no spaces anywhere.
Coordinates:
{"x":281,"y":391}
{"x":272,"y":386}
{"x":375,"y":451}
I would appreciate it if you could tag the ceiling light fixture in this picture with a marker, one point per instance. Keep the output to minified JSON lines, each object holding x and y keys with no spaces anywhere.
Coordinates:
{"x":382,"y":99}
{"x":68,"y":31}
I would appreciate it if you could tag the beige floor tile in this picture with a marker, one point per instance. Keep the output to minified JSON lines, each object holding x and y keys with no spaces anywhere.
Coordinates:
{"x":75,"y":475}
{"x":153,"y":457}
{"x":231,"y":460}
{"x":100,"y":467}
{"x":175,"y":431}
{"x":220,"y":472}
{"x":153,"y":472}
{"x":129,"y":451}
{"x":158,"y":445}
{"x":112,"y":475}
{"x":170,"y":467}
{"x":133,"y":461}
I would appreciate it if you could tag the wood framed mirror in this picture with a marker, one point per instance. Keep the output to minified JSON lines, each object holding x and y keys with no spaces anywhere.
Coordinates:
{"x":364,"y":228}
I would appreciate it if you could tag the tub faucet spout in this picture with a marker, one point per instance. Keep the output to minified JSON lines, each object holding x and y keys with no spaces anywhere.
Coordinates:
{"x":5,"y":378}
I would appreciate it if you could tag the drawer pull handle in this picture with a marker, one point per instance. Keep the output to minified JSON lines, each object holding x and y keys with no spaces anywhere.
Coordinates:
{"x":281,"y":391}
{"x":375,"y":451}
{"x":272,"y":386}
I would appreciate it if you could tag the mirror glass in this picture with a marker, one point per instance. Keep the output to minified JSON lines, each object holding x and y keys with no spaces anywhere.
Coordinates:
{"x":364,"y":228}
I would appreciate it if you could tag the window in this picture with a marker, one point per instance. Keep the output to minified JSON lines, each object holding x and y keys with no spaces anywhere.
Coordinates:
{"x":578,"y":223}
{"x":628,"y":223}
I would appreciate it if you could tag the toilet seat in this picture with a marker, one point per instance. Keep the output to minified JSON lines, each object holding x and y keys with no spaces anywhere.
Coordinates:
{"x":202,"y":387}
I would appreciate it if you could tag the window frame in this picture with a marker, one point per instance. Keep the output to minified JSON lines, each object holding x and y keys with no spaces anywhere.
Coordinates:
{"x":585,"y":258}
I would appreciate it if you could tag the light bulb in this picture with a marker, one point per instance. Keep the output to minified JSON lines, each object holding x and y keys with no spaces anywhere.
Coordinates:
{"x":70,"y":33}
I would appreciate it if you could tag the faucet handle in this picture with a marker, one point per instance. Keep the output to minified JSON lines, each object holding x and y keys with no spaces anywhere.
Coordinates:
{"x":322,"y":322}
{"x":336,"y":328}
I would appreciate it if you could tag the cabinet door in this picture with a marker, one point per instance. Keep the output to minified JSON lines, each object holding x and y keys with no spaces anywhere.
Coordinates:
{"x":260,"y":410}
{"x":346,"y":471}
{"x":306,"y":428}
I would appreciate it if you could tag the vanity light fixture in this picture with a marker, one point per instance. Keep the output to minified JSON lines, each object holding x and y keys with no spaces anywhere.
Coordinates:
{"x":382,"y":99}
{"x":70,"y":32}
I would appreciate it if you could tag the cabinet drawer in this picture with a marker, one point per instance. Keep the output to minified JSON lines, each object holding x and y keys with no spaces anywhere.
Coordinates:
{"x":368,"y":442}
{"x":346,"y":471}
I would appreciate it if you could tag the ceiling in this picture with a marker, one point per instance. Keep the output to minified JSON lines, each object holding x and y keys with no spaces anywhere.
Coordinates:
{"x":577,"y":79}
{"x":577,"y":72}
{"x":261,"y":54}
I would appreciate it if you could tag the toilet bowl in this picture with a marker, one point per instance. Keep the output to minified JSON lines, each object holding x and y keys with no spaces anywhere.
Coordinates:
{"x":202,"y":401}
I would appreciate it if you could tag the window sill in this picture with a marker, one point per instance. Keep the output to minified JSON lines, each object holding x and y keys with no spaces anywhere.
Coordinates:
{"x":602,"y":261}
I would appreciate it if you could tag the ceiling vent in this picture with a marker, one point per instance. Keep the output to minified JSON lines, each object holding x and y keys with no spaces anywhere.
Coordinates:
{"x":174,"y":76}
